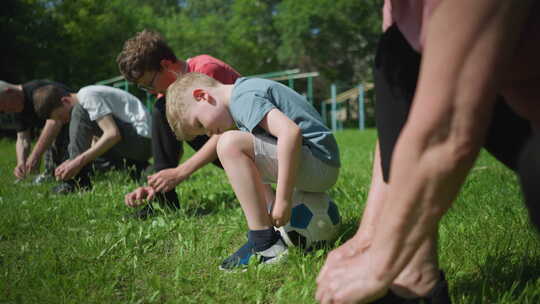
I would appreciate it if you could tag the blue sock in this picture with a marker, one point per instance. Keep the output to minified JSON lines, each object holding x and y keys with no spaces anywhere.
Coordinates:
{"x":263,"y":239}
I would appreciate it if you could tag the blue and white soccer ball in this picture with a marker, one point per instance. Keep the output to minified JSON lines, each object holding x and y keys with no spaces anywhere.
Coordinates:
{"x":314,"y":221}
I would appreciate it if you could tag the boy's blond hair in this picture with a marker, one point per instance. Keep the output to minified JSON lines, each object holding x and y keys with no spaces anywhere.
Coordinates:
{"x":180,"y":100}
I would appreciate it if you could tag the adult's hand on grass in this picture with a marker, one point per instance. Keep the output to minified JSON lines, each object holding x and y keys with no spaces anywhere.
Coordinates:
{"x":165,"y":180}
{"x":68,"y":169}
{"x":32,"y":164}
{"x":139,"y":196}
{"x":20,"y":171}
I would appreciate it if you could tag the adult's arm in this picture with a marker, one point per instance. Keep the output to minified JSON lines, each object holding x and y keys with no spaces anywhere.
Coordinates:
{"x":22,"y":149}
{"x":45,"y":140}
{"x":111,"y":136}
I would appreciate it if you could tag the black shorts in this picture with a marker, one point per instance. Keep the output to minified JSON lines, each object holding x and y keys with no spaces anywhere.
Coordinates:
{"x":396,"y":70}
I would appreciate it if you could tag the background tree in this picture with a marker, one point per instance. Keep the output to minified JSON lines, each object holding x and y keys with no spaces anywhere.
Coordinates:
{"x":76,"y":42}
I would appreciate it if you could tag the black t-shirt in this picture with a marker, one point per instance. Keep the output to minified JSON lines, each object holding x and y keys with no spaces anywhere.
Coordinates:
{"x":28,"y":119}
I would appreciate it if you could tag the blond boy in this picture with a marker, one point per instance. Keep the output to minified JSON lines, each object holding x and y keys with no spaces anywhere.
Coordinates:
{"x":265,"y":128}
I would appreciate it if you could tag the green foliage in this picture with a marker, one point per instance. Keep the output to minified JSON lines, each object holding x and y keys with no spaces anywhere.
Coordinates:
{"x":80,"y":249}
{"x":29,"y":45}
{"x":335,"y":37}
{"x":238,"y":32}
{"x":93,"y":34}
{"x":76,"y":42}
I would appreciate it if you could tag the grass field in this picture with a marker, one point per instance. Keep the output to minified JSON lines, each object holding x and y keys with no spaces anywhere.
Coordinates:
{"x":79,"y":249}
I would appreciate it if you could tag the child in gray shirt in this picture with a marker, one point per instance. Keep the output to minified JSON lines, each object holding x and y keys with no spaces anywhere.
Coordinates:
{"x":265,"y":128}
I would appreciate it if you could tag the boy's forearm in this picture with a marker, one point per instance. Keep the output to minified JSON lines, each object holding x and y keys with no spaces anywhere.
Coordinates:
{"x":288,"y":158}
{"x":201,"y":158}
{"x":46,"y":138}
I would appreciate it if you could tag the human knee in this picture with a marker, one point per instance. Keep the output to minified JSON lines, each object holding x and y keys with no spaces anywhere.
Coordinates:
{"x":231,"y":144}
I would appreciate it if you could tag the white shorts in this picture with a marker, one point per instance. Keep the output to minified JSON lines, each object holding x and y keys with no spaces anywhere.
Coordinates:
{"x":313,"y":175}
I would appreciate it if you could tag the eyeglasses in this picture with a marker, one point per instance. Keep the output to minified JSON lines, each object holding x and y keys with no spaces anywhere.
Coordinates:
{"x":149,"y":87}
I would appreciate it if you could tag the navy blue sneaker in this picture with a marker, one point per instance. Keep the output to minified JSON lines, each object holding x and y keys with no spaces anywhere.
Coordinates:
{"x":240,"y":259}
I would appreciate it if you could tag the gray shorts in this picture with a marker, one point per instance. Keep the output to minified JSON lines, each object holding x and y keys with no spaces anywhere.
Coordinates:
{"x":313,"y":174}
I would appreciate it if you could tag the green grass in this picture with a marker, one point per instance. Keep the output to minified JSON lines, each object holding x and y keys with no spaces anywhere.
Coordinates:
{"x":78,"y":248}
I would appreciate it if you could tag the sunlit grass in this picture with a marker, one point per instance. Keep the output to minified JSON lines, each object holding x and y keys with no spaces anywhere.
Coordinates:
{"x":80,"y":249}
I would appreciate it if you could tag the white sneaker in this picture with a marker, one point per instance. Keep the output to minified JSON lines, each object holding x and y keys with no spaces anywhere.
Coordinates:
{"x":42,"y":178}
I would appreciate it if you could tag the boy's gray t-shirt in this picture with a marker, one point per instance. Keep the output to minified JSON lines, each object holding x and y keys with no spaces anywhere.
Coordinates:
{"x":253,"y":98}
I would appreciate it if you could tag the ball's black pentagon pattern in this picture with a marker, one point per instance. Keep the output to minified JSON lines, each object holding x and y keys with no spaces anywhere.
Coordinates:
{"x":297,"y":239}
{"x":333,"y":213}
{"x":301,"y":216}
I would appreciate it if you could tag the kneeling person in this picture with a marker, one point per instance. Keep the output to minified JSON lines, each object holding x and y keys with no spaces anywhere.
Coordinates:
{"x":279,"y":131}
{"x":118,"y":118}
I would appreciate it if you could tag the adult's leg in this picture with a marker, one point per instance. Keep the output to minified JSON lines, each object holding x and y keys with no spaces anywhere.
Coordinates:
{"x":507,"y":135}
{"x":397,"y":66}
{"x":132,"y":151}
{"x":81,"y":131}
{"x":58,"y":152}
{"x":166,"y":149}
{"x":396,"y":72}
{"x":529,"y":175}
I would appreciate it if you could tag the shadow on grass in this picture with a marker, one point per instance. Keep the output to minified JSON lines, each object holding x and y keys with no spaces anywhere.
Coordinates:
{"x":212,"y":203}
{"x":346,"y":231}
{"x":498,"y":276}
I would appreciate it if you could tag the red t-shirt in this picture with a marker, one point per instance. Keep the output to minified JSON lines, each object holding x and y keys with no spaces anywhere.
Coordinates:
{"x":212,"y":67}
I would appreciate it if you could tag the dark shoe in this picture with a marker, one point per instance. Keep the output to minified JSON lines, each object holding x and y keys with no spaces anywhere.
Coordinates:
{"x":71,"y":186}
{"x":438,"y":295}
{"x":149,"y":211}
{"x":240,"y":259}
{"x":144,"y":213}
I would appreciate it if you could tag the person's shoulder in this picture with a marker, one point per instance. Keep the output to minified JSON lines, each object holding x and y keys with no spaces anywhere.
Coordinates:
{"x":102,"y":90}
{"x":204,"y":58}
{"x":254,"y":82}
{"x":205,"y":62}
{"x":92,"y":92}
{"x":247,"y":84}
{"x":89,"y":89}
